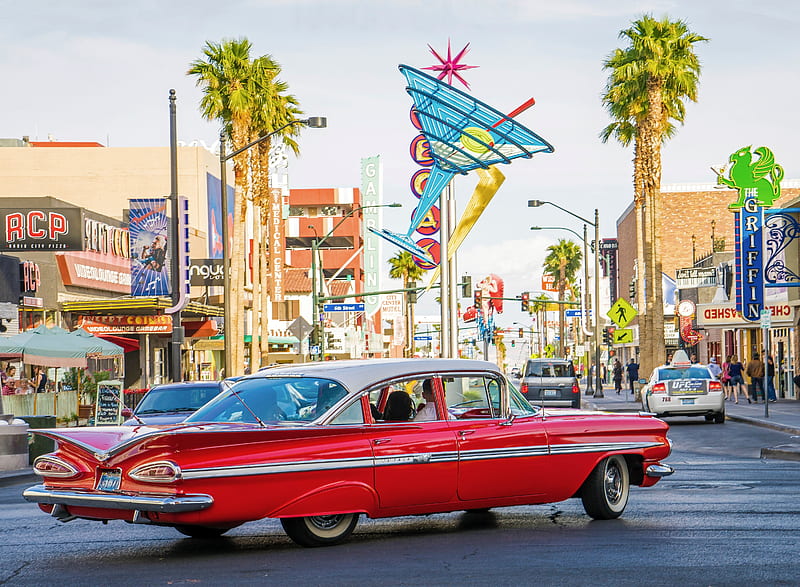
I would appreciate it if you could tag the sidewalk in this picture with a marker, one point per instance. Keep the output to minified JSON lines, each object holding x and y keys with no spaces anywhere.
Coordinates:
{"x":784,"y":416}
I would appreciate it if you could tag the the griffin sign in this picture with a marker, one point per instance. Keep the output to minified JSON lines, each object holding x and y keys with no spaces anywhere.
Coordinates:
{"x":758,"y":183}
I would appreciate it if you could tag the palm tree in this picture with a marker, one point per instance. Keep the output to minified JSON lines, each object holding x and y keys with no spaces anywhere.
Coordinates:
{"x":242,"y":93}
{"x":562,"y":262}
{"x":649,"y":82}
{"x":539,"y":306}
{"x":402,"y":266}
{"x":274,"y":109}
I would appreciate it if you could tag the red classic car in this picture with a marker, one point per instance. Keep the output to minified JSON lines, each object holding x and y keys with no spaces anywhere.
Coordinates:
{"x":316,"y":445}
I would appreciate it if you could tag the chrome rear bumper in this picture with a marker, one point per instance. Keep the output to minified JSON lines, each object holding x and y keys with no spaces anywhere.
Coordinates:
{"x":118,"y":501}
{"x":659,"y":470}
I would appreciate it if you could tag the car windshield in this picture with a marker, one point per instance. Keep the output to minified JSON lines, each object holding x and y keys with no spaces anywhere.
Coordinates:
{"x":176,"y":398}
{"x":543,"y":369}
{"x":272,"y":399}
{"x":693,"y":372}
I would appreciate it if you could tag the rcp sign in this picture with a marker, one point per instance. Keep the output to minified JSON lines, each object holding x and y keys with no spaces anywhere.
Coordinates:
{"x":53,"y":229}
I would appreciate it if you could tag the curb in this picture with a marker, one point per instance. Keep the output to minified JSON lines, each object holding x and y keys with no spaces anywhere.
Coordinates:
{"x":17,"y":477}
{"x":783,"y":452}
{"x":763,"y":423}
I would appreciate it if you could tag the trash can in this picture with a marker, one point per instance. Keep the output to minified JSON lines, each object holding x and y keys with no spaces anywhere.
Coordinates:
{"x":39,"y":445}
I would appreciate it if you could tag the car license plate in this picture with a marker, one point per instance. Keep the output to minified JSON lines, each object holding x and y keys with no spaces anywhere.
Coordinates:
{"x":109,"y":480}
{"x":550,"y":392}
{"x":687,"y":402}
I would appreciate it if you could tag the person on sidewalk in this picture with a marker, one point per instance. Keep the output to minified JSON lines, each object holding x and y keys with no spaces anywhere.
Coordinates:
{"x":770,"y":379}
{"x":617,"y":371}
{"x":632,"y":369}
{"x":714,"y":368}
{"x":725,"y":378}
{"x":736,"y":372}
{"x":755,"y":371}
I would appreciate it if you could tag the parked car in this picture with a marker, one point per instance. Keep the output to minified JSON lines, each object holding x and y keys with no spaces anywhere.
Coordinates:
{"x":171,"y":403}
{"x":363,"y":446}
{"x":516,"y":373}
{"x":684,"y":389}
{"x":551,"y":382}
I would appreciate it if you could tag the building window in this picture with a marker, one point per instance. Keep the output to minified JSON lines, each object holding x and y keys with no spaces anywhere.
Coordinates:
{"x":329,"y":211}
{"x":297,"y":211}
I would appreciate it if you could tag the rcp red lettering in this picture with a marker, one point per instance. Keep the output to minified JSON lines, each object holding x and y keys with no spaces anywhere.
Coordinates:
{"x":58,"y":225}
{"x":15,"y":227}
{"x":34,"y":217}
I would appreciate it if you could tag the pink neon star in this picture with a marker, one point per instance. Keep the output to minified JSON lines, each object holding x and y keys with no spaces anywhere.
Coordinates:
{"x":450,"y":67}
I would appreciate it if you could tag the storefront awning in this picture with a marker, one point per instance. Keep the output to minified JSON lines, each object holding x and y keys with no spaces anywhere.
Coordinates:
{"x":128,"y":344}
{"x":139,"y":305}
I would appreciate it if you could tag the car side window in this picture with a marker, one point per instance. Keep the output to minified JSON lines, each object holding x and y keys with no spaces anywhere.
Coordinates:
{"x":352,"y":414}
{"x":471,"y":396}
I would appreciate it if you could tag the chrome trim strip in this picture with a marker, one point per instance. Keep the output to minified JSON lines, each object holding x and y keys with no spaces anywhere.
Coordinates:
{"x":271,"y":468}
{"x":118,"y":501}
{"x":557,"y":449}
{"x":659,"y":470}
{"x":409,"y":459}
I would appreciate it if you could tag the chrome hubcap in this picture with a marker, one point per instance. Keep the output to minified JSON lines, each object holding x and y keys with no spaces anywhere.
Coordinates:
{"x":326,"y":522}
{"x":613,"y":484}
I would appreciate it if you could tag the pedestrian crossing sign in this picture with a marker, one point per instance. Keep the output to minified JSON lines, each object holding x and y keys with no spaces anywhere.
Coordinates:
{"x":622,"y":313}
{"x":623,"y":336}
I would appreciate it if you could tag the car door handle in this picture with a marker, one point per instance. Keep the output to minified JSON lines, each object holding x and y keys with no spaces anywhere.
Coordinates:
{"x":381,"y":441}
{"x":463,"y":433}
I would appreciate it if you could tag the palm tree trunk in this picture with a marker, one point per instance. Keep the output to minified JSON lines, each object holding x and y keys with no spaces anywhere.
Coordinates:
{"x":561,"y":287}
{"x":258,"y":260}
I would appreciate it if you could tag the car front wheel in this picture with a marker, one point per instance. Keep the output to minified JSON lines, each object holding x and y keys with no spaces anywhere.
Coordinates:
{"x":320,"y":530}
{"x":605,"y":492}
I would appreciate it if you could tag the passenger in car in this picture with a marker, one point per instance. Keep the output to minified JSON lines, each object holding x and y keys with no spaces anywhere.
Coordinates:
{"x":399,"y":407}
{"x":427,"y":412}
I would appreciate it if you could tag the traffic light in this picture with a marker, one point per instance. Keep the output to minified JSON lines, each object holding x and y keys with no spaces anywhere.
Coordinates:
{"x":526,"y":296}
{"x":466,"y":286}
{"x":513,"y":343}
{"x":412,"y":292}
{"x":632,"y":289}
{"x":521,"y":333}
{"x":608,"y":335}
{"x":477,"y":298}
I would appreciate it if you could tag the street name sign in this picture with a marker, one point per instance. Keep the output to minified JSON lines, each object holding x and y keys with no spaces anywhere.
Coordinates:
{"x":342,"y":307}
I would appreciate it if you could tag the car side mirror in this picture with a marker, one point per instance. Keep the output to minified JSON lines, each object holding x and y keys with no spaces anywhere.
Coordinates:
{"x":643,"y":381}
{"x":127,"y":412}
{"x":509,"y":421}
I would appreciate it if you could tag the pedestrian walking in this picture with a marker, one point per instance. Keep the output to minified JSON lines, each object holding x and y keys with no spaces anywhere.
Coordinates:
{"x":770,"y":379}
{"x":714,"y":368}
{"x":755,"y":371}
{"x":736,"y":372}
{"x":617,"y":373}
{"x":40,"y":380}
{"x":632,"y":369}
{"x":725,"y":378}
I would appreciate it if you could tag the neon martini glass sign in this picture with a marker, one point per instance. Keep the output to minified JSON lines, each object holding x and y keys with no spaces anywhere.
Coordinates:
{"x":464,"y":134}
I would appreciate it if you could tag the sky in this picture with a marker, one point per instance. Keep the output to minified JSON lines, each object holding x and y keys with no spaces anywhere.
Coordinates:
{"x":94,"y":70}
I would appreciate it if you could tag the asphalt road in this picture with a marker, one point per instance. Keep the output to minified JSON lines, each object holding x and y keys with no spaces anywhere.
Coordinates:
{"x":725,"y":518}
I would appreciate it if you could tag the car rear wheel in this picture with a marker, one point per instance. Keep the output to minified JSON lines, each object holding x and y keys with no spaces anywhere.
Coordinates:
{"x":605,"y":492}
{"x":320,"y":530}
{"x":205,"y":532}
{"x":719,"y":418}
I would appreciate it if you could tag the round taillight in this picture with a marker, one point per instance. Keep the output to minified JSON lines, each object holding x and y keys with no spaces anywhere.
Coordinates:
{"x":54,"y":467}
{"x":158,"y":472}
{"x":575,"y":388}
{"x":523,"y":388}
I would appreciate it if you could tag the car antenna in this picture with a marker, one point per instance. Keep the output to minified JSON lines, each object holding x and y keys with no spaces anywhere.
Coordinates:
{"x":122,"y":403}
{"x":236,"y":394}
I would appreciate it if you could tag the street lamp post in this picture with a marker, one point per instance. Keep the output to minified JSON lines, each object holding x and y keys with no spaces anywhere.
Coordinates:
{"x":312,"y":122}
{"x":316,"y":267}
{"x":596,"y":302}
{"x":585,"y":289}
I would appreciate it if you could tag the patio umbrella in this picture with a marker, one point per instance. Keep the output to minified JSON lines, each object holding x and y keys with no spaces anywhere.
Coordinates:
{"x":53,"y":347}
{"x":97,"y":347}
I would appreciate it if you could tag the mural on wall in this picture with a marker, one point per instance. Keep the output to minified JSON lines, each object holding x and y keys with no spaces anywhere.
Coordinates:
{"x":149,"y":227}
